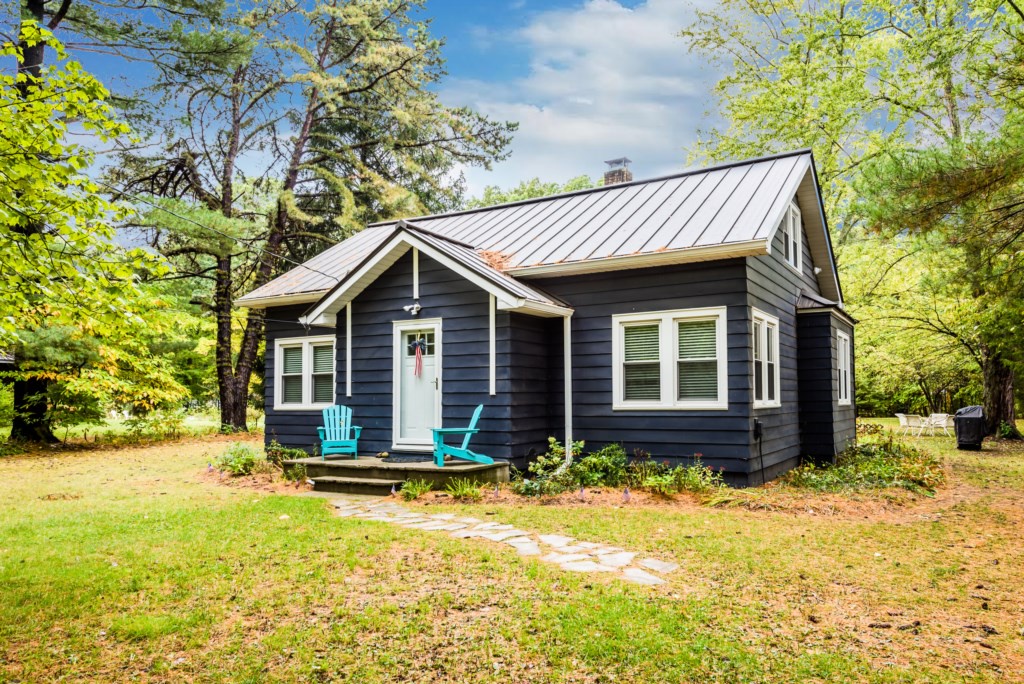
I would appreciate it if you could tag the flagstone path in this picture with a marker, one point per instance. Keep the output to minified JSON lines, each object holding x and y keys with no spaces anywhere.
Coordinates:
{"x":566,"y":552}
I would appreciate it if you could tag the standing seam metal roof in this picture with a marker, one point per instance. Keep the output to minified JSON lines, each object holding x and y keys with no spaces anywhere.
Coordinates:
{"x":732,"y":203}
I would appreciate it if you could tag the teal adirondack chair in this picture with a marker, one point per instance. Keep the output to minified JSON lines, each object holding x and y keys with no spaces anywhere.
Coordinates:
{"x":441,"y":449}
{"x":338,"y":435}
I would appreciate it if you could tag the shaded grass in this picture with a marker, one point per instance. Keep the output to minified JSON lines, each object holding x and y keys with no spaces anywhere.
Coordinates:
{"x":124,"y":565}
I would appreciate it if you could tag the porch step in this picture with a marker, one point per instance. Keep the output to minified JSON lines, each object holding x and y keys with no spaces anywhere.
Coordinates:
{"x":355,"y":485}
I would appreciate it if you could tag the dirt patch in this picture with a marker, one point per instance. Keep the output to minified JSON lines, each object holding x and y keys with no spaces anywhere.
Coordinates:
{"x":262,"y":482}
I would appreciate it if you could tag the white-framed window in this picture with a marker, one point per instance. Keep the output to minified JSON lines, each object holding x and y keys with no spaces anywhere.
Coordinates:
{"x":792,"y":237}
{"x":766,"y":360}
{"x":670,"y":360}
{"x":843,"y":366}
{"x":304,"y":373}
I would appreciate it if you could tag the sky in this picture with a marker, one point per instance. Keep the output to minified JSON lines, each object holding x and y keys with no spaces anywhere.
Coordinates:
{"x":587,"y":80}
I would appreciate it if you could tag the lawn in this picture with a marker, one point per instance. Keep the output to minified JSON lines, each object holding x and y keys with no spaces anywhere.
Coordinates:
{"x":133,"y":564}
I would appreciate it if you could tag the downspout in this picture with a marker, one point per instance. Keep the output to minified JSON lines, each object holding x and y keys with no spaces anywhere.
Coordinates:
{"x":567,"y":360}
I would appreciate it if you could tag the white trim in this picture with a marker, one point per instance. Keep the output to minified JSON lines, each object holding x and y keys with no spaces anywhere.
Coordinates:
{"x":398,"y":328}
{"x":567,"y":374}
{"x":758,"y":316}
{"x":279,"y":300}
{"x":306,"y":343}
{"x":668,"y":343}
{"x":348,"y":349}
{"x":415,"y":273}
{"x":844,"y":362}
{"x":650,"y":259}
{"x":492,"y":361}
{"x":792,"y":229}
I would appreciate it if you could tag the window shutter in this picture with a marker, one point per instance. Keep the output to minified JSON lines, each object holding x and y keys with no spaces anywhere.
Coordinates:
{"x":642,"y":367}
{"x":698,"y":367}
{"x":323,"y":358}
{"x":291,"y":364}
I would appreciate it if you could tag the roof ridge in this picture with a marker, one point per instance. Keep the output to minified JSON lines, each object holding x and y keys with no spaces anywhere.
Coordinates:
{"x":408,"y":225}
{"x":601,"y":188}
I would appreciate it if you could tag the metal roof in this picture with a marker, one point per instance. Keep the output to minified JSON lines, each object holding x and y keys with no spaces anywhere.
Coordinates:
{"x":708,"y":211}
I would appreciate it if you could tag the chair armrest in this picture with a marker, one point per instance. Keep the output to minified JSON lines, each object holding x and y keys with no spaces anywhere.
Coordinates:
{"x":320,"y":431}
{"x":357,"y":429}
{"x":454,"y":431}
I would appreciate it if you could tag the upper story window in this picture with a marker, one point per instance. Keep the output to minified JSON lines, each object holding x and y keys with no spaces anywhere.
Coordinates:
{"x":843,"y":366}
{"x":670,"y":360}
{"x":766,"y":360}
{"x":792,"y":237}
{"x":304,"y":373}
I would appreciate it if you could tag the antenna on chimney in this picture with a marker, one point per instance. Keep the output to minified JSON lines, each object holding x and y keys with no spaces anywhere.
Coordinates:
{"x":618,"y":171}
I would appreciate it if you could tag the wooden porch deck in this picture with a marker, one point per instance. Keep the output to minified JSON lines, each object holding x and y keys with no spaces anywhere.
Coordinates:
{"x":372,"y":475}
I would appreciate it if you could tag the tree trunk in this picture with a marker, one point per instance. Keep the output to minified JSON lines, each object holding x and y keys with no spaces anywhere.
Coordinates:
{"x":998,"y":394}
{"x":31,"y":424}
{"x":232,"y":418}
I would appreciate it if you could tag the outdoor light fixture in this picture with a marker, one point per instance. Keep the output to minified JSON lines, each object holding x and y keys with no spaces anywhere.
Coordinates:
{"x":817,"y":270}
{"x":413,"y":308}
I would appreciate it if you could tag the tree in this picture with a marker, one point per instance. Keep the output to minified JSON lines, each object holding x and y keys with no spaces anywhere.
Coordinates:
{"x":68,"y":284}
{"x":862,"y":83}
{"x":326,"y":121}
{"x":527,"y":190}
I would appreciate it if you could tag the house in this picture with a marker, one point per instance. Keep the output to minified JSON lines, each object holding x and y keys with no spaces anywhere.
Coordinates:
{"x":697,"y":313}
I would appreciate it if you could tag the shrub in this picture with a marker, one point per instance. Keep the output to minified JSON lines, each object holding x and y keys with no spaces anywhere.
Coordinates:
{"x":239,"y":459}
{"x":696,"y":477}
{"x":464,"y":489}
{"x":295,"y":473}
{"x":664,"y":484}
{"x":278,"y":453}
{"x":643,"y":467}
{"x":872,"y":465}
{"x":548,"y":463}
{"x":604,"y":468}
{"x":414,"y":489}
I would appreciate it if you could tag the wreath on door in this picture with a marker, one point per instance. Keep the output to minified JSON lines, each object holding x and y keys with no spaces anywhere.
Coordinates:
{"x":418,"y":347}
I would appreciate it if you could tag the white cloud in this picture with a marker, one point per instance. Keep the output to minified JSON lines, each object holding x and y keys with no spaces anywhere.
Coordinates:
{"x":604,"y":81}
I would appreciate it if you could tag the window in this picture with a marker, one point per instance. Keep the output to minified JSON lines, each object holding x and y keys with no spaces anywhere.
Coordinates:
{"x":304,"y":373}
{"x":766,"y":360}
{"x":792,"y":236}
{"x":670,"y":360}
{"x":843,"y":365}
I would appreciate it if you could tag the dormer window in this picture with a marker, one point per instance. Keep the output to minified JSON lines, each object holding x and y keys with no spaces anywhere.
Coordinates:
{"x":792,"y":237}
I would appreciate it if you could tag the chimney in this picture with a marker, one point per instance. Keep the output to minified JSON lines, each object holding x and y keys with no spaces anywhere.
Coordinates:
{"x":618,"y":171}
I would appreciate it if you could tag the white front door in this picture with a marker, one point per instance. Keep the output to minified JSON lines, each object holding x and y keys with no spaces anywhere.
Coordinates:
{"x":417,"y":402}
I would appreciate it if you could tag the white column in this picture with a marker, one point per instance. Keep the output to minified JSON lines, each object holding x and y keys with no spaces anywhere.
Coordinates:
{"x":348,"y":349}
{"x":567,"y":350}
{"x":415,"y":273}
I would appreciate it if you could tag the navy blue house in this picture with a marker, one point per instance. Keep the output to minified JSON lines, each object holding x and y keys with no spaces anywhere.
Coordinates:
{"x":699,"y":313}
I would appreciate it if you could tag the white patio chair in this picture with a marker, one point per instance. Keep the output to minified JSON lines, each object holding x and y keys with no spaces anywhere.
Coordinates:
{"x":903,"y":427}
{"x":916,"y":423}
{"x":936,"y":421}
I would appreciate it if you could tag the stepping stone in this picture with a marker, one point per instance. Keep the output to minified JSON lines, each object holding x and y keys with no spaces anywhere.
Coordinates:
{"x":641,"y":576}
{"x":346,"y":513}
{"x":658,"y":566}
{"x":465,"y":534}
{"x":513,"y":541}
{"x":530,"y":549}
{"x":367,"y":515}
{"x":379,"y":518}
{"x":574,"y":549}
{"x":564,"y":557}
{"x":589,"y":545}
{"x":414,"y":524}
{"x":468,"y":521}
{"x":451,"y":526}
{"x":407,"y":514}
{"x":443,"y":516}
{"x":502,"y":535}
{"x":433,"y":525}
{"x":587,"y":566}
{"x":616,"y":560}
{"x":555,"y":540}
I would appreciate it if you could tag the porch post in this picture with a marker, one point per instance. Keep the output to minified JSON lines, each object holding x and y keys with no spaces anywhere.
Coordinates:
{"x":493,"y":350}
{"x":348,"y":349}
{"x":567,"y":351}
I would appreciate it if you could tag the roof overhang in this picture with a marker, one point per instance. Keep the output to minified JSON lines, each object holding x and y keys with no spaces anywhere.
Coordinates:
{"x":834,"y":310}
{"x":388,"y":253}
{"x":648,"y":260}
{"x":279,"y":300}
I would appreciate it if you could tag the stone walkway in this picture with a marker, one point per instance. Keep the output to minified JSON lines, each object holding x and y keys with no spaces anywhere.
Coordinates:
{"x":568,"y":553}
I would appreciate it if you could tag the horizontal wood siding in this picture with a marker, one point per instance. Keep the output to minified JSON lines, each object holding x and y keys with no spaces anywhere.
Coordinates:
{"x":529,"y":358}
{"x":818,"y":387}
{"x":722,"y":437}
{"x":774,"y":287}
{"x":845,"y":417}
{"x":294,"y":428}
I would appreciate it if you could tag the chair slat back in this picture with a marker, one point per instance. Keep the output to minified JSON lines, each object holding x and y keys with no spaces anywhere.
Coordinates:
{"x":472,"y":425}
{"x":938,"y":418}
{"x":903,"y":419}
{"x":337,"y":422}
{"x":915,"y":421}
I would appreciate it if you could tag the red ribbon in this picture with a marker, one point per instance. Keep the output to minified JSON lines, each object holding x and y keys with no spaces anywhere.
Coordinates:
{"x":417,"y":370}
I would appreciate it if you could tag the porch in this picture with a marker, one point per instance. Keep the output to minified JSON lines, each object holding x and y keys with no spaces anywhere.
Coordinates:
{"x":372,"y":475}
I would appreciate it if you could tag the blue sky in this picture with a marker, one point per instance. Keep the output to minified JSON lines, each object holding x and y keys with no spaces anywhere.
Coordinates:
{"x":587,"y":80}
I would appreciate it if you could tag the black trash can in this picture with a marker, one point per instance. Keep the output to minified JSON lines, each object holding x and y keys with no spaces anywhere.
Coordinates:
{"x":969,"y":424}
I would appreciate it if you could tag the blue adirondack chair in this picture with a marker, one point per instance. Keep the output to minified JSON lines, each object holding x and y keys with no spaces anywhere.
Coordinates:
{"x":441,"y":449}
{"x":338,"y":435}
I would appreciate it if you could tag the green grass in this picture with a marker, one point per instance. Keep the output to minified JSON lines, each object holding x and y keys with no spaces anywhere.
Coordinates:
{"x":130,"y":564}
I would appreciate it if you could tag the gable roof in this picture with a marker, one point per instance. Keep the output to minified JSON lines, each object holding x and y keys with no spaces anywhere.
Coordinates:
{"x":509,"y":293}
{"x":726,"y":211}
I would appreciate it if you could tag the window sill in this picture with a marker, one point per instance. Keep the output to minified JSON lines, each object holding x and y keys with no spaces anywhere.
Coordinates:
{"x":845,"y":403}
{"x":670,"y":407}
{"x":302,"y":407}
{"x":765,"y":405}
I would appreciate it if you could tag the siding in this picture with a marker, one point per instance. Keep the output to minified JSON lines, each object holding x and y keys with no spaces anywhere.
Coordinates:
{"x":826,"y":427}
{"x":294,"y":428}
{"x":722,"y":437}
{"x":773,"y":287}
{"x":532,"y":341}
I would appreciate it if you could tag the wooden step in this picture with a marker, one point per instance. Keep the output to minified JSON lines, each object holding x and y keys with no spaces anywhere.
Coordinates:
{"x":355,"y":485}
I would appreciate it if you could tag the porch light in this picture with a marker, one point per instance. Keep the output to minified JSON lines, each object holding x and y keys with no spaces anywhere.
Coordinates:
{"x":413,"y":308}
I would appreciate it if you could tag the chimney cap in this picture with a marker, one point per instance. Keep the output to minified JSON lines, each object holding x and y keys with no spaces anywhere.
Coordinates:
{"x":621,"y":162}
